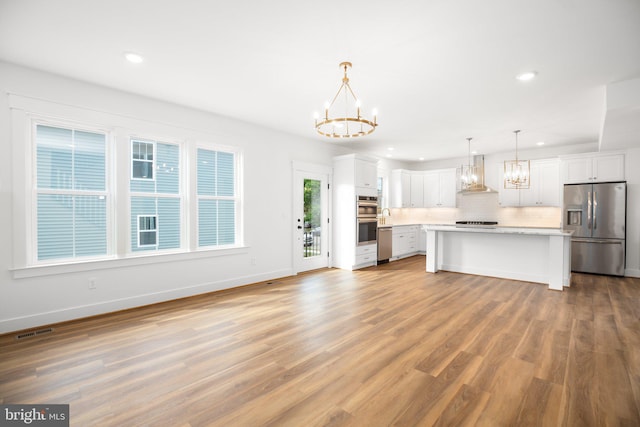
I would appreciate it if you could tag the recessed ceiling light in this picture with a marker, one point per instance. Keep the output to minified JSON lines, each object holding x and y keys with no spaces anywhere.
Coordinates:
{"x":474,"y":152}
{"x":390,"y":148}
{"x":421,"y":158}
{"x":540,"y":143}
{"x":134,"y":58}
{"x":529,"y":75}
{"x":388,"y":155}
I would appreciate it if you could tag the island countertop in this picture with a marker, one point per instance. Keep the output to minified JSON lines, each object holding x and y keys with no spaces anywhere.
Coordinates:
{"x":499,"y":229}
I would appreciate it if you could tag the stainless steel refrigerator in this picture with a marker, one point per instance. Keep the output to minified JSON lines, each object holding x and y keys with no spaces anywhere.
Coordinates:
{"x":596,"y":213}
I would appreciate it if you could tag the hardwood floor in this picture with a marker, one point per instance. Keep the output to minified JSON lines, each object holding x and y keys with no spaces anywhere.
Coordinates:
{"x":387,"y":345}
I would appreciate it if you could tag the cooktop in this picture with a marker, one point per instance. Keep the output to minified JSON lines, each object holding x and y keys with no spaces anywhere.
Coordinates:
{"x":476,"y":222}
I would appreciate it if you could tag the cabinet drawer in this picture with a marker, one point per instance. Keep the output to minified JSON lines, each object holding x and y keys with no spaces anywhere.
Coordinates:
{"x":366,"y":259}
{"x":366,"y":249}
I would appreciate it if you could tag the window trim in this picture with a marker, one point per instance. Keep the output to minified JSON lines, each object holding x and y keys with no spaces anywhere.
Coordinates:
{"x":181,"y":196}
{"x":26,"y":113}
{"x":237,"y":198}
{"x":32,"y":183}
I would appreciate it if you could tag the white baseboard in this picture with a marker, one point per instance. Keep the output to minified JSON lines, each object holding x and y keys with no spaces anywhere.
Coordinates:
{"x":66,"y":314}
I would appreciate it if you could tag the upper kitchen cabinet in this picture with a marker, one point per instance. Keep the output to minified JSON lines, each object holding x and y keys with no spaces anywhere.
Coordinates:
{"x":417,"y":190}
{"x":545,"y":184}
{"x":544,"y":188}
{"x":366,"y":174}
{"x":440,"y":188}
{"x":358,"y":172}
{"x":592,"y":167}
{"x":400,"y":186}
{"x":423,"y":189}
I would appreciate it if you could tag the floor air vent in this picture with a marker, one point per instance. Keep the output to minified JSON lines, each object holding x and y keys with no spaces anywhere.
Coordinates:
{"x":34,"y":333}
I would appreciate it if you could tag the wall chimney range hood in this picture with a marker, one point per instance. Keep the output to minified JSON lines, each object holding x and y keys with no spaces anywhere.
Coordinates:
{"x":479,"y":187}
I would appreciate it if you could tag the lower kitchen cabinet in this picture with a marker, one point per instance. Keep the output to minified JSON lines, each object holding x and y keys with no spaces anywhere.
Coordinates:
{"x":366,"y":255}
{"x":405,"y":241}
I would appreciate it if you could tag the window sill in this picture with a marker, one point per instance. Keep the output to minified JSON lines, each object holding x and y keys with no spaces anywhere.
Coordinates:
{"x":129,"y":261}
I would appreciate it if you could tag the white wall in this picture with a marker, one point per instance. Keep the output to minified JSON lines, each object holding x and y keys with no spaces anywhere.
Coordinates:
{"x":268,"y":224}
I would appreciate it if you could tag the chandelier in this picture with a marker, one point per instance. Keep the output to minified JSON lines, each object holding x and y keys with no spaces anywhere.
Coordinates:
{"x":347,"y":123}
{"x":468,"y":174}
{"x":516,"y":172}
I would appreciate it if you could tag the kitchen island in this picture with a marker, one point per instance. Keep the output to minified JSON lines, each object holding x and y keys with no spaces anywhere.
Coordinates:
{"x":541,"y":255}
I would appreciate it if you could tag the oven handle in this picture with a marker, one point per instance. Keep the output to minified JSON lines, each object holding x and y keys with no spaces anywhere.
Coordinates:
{"x":367,"y":219}
{"x":368,"y":204}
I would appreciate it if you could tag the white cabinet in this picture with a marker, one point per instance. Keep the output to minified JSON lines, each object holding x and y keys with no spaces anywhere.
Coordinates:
{"x":404,"y":239}
{"x":401,"y":188}
{"x":366,"y":255}
{"x":593,"y":167}
{"x":544,"y":188}
{"x":440,"y":189}
{"x":423,"y":189}
{"x":545,"y":184}
{"x":366,"y":174}
{"x":353,"y":175}
{"x":417,"y":190}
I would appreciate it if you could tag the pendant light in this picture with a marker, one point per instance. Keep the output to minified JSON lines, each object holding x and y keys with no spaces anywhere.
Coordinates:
{"x":516,"y":172}
{"x":468,"y":174}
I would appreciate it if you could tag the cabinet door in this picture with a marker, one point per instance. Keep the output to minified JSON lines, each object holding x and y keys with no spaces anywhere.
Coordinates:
{"x":431,"y":189}
{"x":395,"y":189}
{"x":398,"y":242}
{"x":608,"y":168}
{"x":578,"y":170}
{"x":405,"y":180}
{"x":448,"y":189}
{"x":531,"y":196}
{"x":416,"y":192}
{"x":548,"y":185}
{"x":366,"y":174}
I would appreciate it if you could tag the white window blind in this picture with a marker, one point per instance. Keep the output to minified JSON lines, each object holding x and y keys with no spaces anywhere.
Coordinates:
{"x":71,"y":197}
{"x":217,"y":198}
{"x":159,"y":197}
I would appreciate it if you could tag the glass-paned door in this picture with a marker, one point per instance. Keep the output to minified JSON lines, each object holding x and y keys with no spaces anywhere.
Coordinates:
{"x":311,"y":221}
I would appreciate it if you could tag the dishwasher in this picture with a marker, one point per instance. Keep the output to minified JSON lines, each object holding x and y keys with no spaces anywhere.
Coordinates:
{"x":384,"y":244}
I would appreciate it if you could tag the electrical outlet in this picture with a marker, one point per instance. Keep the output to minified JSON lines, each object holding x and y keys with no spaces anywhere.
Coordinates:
{"x":92,"y":283}
{"x":253,"y":261}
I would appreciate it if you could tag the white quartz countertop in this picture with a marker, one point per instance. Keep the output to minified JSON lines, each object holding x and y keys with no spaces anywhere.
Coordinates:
{"x":499,"y":230}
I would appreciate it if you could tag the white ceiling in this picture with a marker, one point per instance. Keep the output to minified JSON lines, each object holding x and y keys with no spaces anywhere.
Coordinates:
{"x":437,"y":71}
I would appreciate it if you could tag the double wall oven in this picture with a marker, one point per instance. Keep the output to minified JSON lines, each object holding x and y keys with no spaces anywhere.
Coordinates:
{"x":367,"y":220}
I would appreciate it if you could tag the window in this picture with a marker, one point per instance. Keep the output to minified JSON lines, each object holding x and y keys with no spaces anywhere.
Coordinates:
{"x":70,"y":193}
{"x":157,"y":202}
{"x":170,"y":205}
{"x":147,"y":230}
{"x":142,"y":160}
{"x":217,"y":198}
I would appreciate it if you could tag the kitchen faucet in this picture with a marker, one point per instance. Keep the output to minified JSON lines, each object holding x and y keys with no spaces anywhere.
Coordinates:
{"x":382,"y":218}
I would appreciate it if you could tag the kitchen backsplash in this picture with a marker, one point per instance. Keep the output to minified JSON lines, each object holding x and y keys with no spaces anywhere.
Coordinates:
{"x":479,"y":207}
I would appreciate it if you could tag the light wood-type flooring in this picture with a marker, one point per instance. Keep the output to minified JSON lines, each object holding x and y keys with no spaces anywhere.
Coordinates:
{"x":387,"y":345}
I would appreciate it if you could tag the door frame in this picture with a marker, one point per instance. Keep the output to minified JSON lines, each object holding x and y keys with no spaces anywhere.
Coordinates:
{"x":311,"y":168}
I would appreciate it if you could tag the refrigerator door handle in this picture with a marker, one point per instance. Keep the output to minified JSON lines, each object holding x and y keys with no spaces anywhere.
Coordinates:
{"x":595,"y":209}
{"x":589,"y":210}
{"x":602,"y":241}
